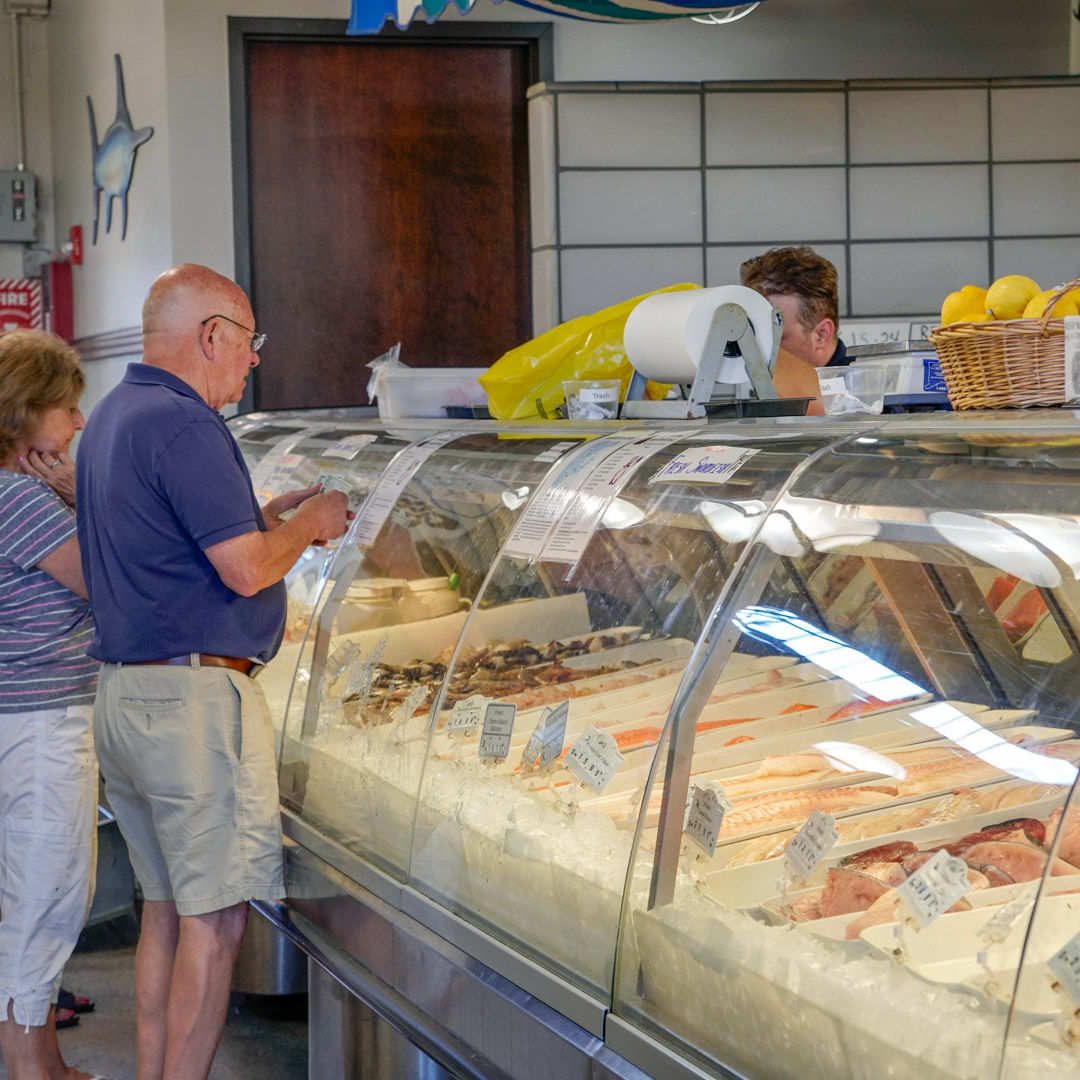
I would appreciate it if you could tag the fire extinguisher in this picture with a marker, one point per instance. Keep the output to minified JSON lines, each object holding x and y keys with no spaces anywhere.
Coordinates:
{"x":56,"y":279}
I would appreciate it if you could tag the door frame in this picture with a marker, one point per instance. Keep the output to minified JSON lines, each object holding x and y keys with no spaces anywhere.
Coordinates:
{"x":537,"y":36}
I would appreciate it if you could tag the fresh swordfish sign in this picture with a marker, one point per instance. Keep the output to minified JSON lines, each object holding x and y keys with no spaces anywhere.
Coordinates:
{"x":114,"y":157}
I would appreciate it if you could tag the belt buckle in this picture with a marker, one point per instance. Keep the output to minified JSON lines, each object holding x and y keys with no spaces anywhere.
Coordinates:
{"x":255,"y":670}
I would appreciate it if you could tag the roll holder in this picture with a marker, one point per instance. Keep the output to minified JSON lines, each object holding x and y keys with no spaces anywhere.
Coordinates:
{"x":730,"y":329}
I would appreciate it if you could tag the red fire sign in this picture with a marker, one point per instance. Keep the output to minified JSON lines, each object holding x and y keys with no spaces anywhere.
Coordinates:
{"x":20,"y":305}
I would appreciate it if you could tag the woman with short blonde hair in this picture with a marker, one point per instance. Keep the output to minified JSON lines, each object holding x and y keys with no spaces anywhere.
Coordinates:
{"x":48,"y":773}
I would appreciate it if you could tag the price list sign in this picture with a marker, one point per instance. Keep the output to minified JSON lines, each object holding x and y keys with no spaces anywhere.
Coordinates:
{"x":810,"y":845}
{"x":497,"y":731}
{"x":596,"y":492}
{"x":935,"y":887}
{"x":594,"y":758}
{"x":377,"y":506}
{"x":706,"y":816}
{"x":554,"y":495}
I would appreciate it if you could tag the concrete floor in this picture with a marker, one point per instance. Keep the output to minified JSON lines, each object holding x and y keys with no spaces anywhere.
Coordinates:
{"x":265,"y":1037}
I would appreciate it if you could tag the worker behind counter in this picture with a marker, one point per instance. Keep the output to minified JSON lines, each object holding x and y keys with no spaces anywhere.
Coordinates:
{"x":802,"y":284}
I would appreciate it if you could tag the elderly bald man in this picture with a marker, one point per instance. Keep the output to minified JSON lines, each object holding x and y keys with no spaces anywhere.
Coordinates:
{"x":184,"y":575}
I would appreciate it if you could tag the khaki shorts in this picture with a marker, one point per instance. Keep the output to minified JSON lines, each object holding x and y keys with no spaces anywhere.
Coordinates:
{"x":188,"y":760}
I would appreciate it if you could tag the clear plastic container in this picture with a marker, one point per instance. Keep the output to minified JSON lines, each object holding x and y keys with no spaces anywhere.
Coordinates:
{"x":867,"y":383}
{"x":592,"y":399}
{"x":425,"y":392}
{"x":830,"y":383}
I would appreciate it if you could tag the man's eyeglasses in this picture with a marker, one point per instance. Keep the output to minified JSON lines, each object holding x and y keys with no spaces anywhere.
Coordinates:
{"x":257,"y":340}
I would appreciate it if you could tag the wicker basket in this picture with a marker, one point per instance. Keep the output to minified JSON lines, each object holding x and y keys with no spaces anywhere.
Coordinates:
{"x":1016,"y":363}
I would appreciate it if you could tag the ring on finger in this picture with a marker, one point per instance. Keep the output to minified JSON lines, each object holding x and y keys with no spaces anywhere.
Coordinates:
{"x":53,"y":464}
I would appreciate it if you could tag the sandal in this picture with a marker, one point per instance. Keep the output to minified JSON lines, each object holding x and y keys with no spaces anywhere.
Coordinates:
{"x":67,"y":1000}
{"x":64,"y":1018}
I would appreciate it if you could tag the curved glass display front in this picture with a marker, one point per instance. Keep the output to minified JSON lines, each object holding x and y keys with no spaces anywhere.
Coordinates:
{"x":557,"y":693}
{"x":392,"y":609}
{"x":837,"y":881}
{"x":292,"y":450}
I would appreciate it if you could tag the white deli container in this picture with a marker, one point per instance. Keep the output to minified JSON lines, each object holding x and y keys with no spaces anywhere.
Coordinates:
{"x":425,"y":392}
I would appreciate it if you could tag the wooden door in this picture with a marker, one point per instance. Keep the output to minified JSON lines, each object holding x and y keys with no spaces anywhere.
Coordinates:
{"x":388,"y":187}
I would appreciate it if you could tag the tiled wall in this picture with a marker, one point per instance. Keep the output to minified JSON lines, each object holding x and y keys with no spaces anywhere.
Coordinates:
{"x":912,"y":189}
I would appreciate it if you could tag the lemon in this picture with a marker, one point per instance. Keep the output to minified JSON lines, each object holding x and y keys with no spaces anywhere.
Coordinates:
{"x":1009,"y":295}
{"x":976,"y":295}
{"x":978,"y":316}
{"x":1067,"y":305}
{"x":962,"y":303}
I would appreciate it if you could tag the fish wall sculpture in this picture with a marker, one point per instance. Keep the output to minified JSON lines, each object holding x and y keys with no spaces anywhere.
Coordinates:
{"x":114,"y":157}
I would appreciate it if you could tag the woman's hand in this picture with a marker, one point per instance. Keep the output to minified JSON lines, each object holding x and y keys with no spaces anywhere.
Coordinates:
{"x":57,"y":470}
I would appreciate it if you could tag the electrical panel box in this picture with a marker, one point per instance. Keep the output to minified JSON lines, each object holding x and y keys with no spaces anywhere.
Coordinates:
{"x":18,"y":207}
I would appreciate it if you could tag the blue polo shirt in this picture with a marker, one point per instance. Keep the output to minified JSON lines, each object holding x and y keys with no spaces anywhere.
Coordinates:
{"x":160,"y":479}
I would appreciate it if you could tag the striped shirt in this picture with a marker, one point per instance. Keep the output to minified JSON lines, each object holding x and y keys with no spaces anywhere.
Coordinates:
{"x":44,"y":627}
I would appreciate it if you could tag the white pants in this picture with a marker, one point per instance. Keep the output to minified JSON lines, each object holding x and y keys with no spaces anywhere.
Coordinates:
{"x":48,"y":848}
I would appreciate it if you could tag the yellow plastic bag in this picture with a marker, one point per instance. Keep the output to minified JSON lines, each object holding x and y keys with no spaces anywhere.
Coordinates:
{"x":527,"y":381}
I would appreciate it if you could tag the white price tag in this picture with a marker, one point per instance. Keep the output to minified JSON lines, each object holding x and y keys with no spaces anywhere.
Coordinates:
{"x":831,"y":386}
{"x":417,"y":697}
{"x":810,"y":845}
{"x":594,"y":758}
{"x":1072,"y":357}
{"x":498,"y":728}
{"x":348,"y":447}
{"x":465,"y":716}
{"x":704,"y":465}
{"x":934,"y":887}
{"x":546,"y":742}
{"x":599,"y":395}
{"x":1066,"y":966}
{"x":708,"y":805}
{"x":377,"y":506}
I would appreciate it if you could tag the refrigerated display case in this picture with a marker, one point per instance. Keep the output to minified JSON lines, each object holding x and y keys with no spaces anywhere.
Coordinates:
{"x":564,"y":699}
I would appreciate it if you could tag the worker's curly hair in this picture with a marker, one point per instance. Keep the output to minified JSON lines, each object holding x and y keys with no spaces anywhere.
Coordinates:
{"x":37,"y":372}
{"x":796,"y":271}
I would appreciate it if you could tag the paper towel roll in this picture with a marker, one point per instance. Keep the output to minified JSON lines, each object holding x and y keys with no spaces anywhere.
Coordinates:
{"x":665,"y":334}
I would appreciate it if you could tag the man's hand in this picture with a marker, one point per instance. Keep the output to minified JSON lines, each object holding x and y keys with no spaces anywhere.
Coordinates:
{"x":57,"y":470}
{"x":325,"y":516}
{"x":273,"y":510}
{"x":254,"y":560}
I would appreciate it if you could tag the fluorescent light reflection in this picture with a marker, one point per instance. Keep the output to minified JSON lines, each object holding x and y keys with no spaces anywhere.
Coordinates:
{"x":849,"y":757}
{"x":952,"y":724}
{"x":1061,"y":535}
{"x":622,"y":515}
{"x":828,"y":652}
{"x":997,"y":546}
{"x":876,"y":680}
{"x":829,"y":525}
{"x":513,"y":499}
{"x":734,"y":521}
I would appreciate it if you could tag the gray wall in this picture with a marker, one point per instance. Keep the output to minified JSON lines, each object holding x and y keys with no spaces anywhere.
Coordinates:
{"x":911,"y":188}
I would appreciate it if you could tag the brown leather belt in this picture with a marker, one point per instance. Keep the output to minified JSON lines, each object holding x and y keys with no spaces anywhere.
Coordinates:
{"x":237,"y":663}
